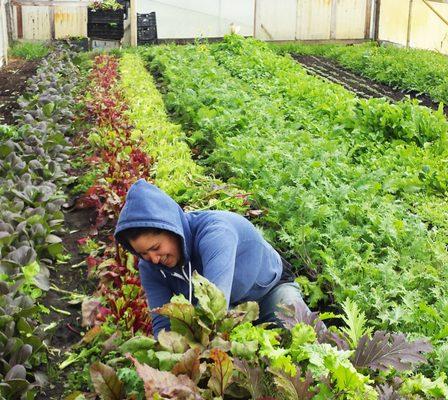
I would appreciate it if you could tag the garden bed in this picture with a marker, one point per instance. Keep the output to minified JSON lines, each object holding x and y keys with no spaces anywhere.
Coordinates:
{"x":361,"y":86}
{"x":13,"y":78}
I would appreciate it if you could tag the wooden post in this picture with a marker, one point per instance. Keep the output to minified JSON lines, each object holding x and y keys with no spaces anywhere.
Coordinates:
{"x":52,"y":22}
{"x":368,"y":19}
{"x":334,"y":15}
{"x":377,"y":20}
{"x":255,"y":18}
{"x":19,"y":22}
{"x":9,"y":21}
{"x":408,"y":35}
{"x":133,"y":16}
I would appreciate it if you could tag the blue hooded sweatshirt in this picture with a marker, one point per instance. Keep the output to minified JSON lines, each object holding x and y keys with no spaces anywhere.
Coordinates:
{"x":222,"y":246}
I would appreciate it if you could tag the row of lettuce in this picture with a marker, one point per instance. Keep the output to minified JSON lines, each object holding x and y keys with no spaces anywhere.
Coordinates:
{"x":33,"y":175}
{"x":210,"y":352}
{"x":414,"y":70}
{"x":355,"y":189}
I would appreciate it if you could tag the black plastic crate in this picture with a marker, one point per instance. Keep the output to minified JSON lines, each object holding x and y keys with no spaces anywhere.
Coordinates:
{"x":146,"y":34}
{"x":146,"y":20}
{"x":110,"y":30}
{"x":146,"y":28}
{"x":104,"y":16}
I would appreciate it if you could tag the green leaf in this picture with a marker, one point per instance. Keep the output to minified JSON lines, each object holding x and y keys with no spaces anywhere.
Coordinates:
{"x":301,"y":334}
{"x":182,"y":318}
{"x":167,"y":360}
{"x":55,"y":249}
{"x":137,"y":343}
{"x":105,"y":381}
{"x":221,"y":372}
{"x":211,"y":300}
{"x":173,"y":342}
{"x":356,"y":323}
{"x":53,"y":239}
{"x":48,"y":109}
{"x":247,"y":350}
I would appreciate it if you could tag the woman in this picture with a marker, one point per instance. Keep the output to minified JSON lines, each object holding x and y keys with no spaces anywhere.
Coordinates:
{"x":222,"y":246}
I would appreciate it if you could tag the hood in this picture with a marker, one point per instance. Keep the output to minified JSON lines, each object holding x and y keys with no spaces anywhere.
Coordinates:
{"x":147,"y":206}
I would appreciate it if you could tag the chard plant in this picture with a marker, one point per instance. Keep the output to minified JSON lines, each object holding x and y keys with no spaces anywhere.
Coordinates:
{"x":212,"y":353}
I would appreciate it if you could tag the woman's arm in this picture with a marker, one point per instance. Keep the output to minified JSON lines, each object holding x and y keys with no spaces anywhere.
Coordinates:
{"x":217,"y":249}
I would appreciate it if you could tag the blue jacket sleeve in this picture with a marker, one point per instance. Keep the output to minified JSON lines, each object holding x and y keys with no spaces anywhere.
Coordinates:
{"x":157,"y":293}
{"x":217,"y":248}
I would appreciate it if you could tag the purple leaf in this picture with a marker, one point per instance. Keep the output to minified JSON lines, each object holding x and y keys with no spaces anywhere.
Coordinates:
{"x":292,"y":314}
{"x":381,"y":353}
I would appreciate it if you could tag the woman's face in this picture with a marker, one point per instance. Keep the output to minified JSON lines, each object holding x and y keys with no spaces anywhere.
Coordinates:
{"x":162,"y":248}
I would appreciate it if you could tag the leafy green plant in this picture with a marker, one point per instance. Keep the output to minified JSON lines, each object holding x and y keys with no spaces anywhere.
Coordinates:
{"x":29,"y":50}
{"x":32,"y":177}
{"x":213,"y":352}
{"x":420,"y":71}
{"x":105,"y":5}
{"x":345,"y":180}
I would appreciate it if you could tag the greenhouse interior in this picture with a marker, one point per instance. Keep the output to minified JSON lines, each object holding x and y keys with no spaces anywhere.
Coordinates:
{"x":221,"y":200}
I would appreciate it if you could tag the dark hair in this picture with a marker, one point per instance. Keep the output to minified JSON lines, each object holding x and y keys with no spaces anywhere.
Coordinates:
{"x":125,"y":236}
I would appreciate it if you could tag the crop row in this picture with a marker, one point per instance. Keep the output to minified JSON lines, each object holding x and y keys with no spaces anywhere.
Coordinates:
{"x":338,"y":175}
{"x":212,"y":351}
{"x":420,"y":71}
{"x":129,"y":139}
{"x":32,"y":178}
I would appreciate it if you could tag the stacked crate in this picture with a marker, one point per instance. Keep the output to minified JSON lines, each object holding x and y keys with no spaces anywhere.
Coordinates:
{"x":146,"y":28}
{"x":106,"y":24}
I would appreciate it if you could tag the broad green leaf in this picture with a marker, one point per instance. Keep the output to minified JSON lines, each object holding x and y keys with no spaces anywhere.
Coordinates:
{"x":211,"y":300}
{"x":167,"y":360}
{"x":182,"y":318}
{"x":137,"y":343}
{"x":105,"y":381}
{"x":48,"y":109}
{"x":190,"y":365}
{"x":173,"y":342}
{"x":221,"y":372}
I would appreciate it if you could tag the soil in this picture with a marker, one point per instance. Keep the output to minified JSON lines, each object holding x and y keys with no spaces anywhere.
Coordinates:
{"x":71,"y":278}
{"x":13,"y":79}
{"x":362,"y":87}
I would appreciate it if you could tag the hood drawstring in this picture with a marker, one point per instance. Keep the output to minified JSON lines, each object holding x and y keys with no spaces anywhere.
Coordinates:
{"x":188,"y":278}
{"x":184,"y":277}
{"x":190,"y":292}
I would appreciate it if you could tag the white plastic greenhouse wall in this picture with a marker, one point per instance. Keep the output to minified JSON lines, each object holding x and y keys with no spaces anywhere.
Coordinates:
{"x":264,"y":19}
{"x":416,"y":23}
